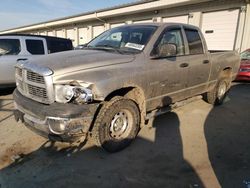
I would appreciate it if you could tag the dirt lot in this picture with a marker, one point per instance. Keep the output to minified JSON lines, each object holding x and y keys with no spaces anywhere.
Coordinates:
{"x":197,"y":145}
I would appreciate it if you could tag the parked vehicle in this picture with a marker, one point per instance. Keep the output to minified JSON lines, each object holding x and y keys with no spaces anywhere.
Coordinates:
{"x":244,"y":71}
{"x":19,"y":47}
{"x":119,"y":80}
{"x":80,"y":47}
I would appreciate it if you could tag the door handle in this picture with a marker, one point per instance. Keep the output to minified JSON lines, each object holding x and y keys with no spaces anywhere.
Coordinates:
{"x":206,"y":61}
{"x":183,"y":65}
{"x":22,"y":59}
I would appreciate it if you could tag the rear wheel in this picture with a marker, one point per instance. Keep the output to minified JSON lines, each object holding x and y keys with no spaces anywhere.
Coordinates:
{"x":217,"y":95}
{"x":116,"y":125}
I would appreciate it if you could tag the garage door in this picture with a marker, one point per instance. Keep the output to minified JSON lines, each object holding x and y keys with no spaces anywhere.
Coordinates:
{"x":116,"y":25}
{"x":97,"y":30}
{"x":59,"y":33}
{"x":50,"y":33}
{"x":143,"y":21}
{"x":70,"y":34}
{"x":42,"y":33}
{"x":83,"y":35}
{"x":219,"y":29}
{"x":177,"y":19}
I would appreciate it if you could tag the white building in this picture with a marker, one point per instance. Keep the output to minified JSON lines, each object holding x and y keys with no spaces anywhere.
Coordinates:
{"x":225,"y":23}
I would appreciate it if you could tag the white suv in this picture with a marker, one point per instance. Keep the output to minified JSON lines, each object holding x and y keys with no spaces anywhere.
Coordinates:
{"x":14,"y":48}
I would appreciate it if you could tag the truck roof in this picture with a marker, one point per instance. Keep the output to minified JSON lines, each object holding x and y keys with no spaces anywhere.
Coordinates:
{"x":29,"y":35}
{"x":163,"y":24}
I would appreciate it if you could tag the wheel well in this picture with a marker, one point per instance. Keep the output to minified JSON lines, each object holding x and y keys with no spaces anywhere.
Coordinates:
{"x":120,"y":92}
{"x":134,"y":93}
{"x":227,"y":72}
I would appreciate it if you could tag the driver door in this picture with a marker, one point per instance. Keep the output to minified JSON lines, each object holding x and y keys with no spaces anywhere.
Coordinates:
{"x":168,"y":79}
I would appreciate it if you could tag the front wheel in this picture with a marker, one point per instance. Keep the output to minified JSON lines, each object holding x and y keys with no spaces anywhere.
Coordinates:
{"x":117,"y":124}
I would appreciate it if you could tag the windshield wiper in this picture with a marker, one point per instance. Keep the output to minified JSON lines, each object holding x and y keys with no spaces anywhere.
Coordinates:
{"x":107,"y":47}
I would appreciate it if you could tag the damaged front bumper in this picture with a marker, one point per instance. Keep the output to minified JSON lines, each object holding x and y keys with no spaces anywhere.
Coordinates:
{"x":58,"y":122}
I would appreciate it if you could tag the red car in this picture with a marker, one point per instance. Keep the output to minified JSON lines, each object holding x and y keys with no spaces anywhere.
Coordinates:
{"x":244,"y":72}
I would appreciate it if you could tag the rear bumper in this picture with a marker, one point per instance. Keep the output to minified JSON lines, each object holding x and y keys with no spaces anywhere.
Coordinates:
{"x":60,"y":122}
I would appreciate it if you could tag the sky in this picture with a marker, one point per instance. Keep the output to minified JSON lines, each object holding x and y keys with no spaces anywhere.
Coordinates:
{"x":16,"y":13}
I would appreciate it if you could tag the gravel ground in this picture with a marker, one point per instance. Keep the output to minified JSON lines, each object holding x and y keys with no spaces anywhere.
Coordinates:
{"x":196,"y":145}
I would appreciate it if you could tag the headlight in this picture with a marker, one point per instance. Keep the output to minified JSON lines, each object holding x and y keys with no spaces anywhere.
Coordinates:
{"x":66,"y":93}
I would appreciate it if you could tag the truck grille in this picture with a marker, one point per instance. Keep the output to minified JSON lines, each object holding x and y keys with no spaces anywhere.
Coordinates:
{"x":34,"y":77}
{"x":34,"y":85}
{"x":37,"y":91}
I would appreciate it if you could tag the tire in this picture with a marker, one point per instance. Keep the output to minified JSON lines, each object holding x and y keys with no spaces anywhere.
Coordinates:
{"x":116,"y":125}
{"x":218,"y":94}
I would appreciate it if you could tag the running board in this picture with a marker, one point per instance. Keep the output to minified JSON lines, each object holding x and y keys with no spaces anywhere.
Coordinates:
{"x":171,"y":107}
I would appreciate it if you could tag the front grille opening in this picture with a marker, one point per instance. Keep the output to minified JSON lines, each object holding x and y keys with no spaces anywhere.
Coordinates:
{"x":19,"y":72}
{"x":34,"y":77}
{"x":33,"y":85}
{"x":37,"y":91}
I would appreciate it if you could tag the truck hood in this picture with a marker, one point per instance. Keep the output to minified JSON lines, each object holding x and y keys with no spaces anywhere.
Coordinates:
{"x":76,"y":60}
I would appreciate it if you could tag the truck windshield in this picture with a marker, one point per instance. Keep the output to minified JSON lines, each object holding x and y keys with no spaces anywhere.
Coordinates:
{"x":9,"y":47}
{"x":132,"y":38}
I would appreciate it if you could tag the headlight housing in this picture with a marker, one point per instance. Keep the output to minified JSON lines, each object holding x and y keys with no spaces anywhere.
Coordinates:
{"x":77,"y":94}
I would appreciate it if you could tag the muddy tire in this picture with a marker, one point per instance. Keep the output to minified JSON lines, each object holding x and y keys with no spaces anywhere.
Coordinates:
{"x":217,"y":95}
{"x":116,"y":125}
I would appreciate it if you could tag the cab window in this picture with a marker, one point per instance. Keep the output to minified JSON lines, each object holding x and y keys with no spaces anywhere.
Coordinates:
{"x":10,"y":47}
{"x":35,"y":47}
{"x":58,"y":45}
{"x":194,"y":42}
{"x":174,"y":37}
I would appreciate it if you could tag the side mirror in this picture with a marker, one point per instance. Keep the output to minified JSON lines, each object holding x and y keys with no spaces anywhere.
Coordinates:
{"x":166,"y":50}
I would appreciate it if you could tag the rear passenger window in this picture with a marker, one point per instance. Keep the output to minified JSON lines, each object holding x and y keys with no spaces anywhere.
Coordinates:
{"x":55,"y":45}
{"x":194,"y":42}
{"x":35,"y":47}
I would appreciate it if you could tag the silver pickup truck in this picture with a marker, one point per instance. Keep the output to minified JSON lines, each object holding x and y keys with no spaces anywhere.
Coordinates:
{"x":108,"y":90}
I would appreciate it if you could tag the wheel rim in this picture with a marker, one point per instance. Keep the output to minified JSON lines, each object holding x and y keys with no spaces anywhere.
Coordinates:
{"x":121,"y":124}
{"x":222,"y":90}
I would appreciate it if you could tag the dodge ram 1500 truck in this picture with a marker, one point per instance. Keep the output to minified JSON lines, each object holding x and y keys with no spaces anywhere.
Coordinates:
{"x":108,"y":90}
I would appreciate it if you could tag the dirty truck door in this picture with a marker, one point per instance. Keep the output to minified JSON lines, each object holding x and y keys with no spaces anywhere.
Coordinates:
{"x":199,"y":62}
{"x":168,"y":79}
